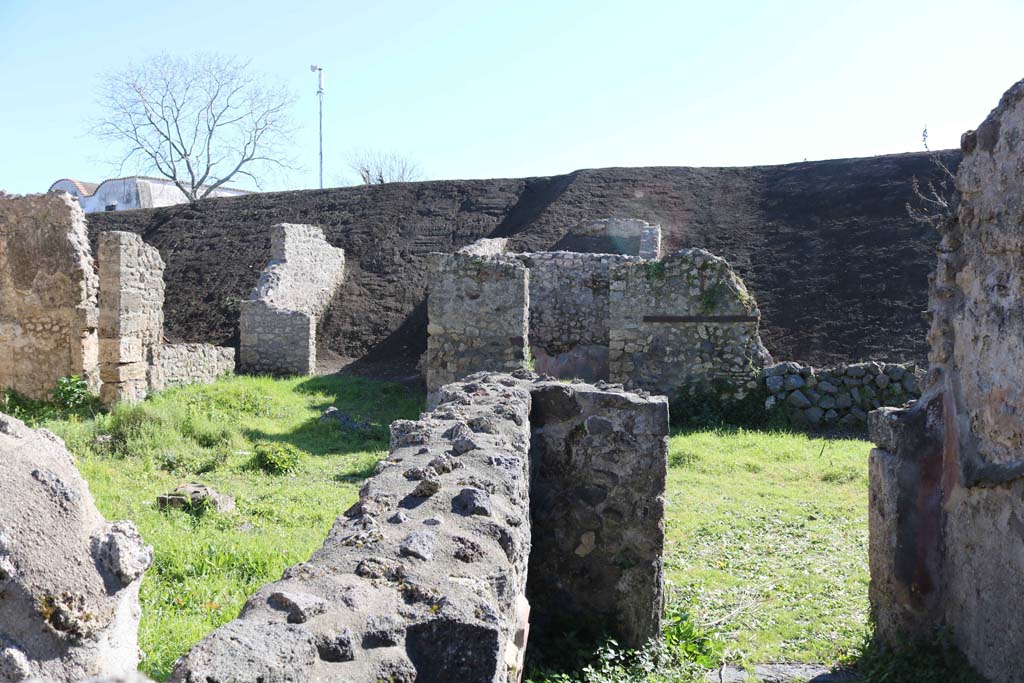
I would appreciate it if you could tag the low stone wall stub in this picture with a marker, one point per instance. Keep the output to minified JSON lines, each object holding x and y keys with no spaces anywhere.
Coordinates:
{"x":682,"y":325}
{"x":69,"y":580}
{"x":597,"y":502}
{"x":478,"y":311}
{"x":48,"y":290}
{"x":278,"y":323}
{"x":176,"y":364}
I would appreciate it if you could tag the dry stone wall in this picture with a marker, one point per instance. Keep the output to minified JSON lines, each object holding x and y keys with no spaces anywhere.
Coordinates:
{"x":69,"y":580}
{"x":947,"y":477}
{"x":843,"y":395}
{"x":684,"y":325}
{"x":426,"y":577}
{"x":478,"y":310}
{"x":278,"y":323}
{"x":48,"y":292}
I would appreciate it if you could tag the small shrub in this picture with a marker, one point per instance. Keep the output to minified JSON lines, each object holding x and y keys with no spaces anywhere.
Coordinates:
{"x":71,"y":393}
{"x":704,"y":407}
{"x":274,"y":457}
{"x":655,"y":270}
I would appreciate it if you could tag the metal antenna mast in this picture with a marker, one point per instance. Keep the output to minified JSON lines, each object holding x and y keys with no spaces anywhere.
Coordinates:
{"x":320,"y":93}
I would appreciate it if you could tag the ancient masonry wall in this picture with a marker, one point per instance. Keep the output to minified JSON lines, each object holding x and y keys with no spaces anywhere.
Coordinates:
{"x":277,"y":327}
{"x":843,"y":395}
{"x":69,"y":580}
{"x":478,"y":312}
{"x":626,"y":236}
{"x":133,"y":359}
{"x":597,"y":504}
{"x":569,"y":312}
{"x":48,"y":292}
{"x":131,"y":316}
{"x":947,"y":479}
{"x":426,"y":577}
{"x":685,"y":325}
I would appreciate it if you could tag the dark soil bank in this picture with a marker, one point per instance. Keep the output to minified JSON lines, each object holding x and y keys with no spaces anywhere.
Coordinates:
{"x":838,"y":268}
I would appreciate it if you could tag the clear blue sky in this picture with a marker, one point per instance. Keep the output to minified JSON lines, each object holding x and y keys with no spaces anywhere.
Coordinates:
{"x":477,"y":89}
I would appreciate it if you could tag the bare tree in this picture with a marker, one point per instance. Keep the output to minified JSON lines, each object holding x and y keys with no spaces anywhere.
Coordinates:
{"x":198,"y":121}
{"x":937,"y":199}
{"x":377,"y":168}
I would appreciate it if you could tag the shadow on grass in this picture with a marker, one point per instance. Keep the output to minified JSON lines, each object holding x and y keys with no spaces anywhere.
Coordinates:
{"x":372,"y":403}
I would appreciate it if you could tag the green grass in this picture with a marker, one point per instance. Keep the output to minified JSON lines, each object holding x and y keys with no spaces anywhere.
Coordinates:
{"x":766,"y":531}
{"x":207,"y":565}
{"x":767,"y":542}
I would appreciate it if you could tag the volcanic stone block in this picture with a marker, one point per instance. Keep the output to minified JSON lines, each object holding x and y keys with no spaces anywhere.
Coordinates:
{"x":69,"y":581}
{"x":598,"y":468}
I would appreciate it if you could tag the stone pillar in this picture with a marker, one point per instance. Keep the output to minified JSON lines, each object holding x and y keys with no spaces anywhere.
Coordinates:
{"x":650,"y":243}
{"x":47,"y":294}
{"x":130,"y":314}
{"x":478,"y":312}
{"x":597,"y":503}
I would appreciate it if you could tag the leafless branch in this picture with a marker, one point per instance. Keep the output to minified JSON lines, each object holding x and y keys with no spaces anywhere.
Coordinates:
{"x":377,"y":168}
{"x":936,"y":200}
{"x":199,"y":121}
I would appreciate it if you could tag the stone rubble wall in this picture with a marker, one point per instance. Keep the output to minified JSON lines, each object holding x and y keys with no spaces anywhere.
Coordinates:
{"x":685,"y":325}
{"x":626,"y":236}
{"x":278,"y":323}
{"x":841,"y":395}
{"x":569,"y":312}
{"x":947,"y":477}
{"x":596,"y":567}
{"x":48,"y":290}
{"x":423,"y":579}
{"x":478,"y":312}
{"x":426,"y":577}
{"x":176,"y":364}
{"x":131,"y":317}
{"x":69,"y":580}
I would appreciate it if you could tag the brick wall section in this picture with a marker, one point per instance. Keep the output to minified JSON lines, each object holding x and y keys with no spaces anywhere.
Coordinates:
{"x":841,"y":395}
{"x":131,"y":315}
{"x":597,"y":501}
{"x":684,"y":325}
{"x":569,"y":312}
{"x":478,"y":311}
{"x":278,"y":323}
{"x":947,"y":476}
{"x":48,"y":290}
